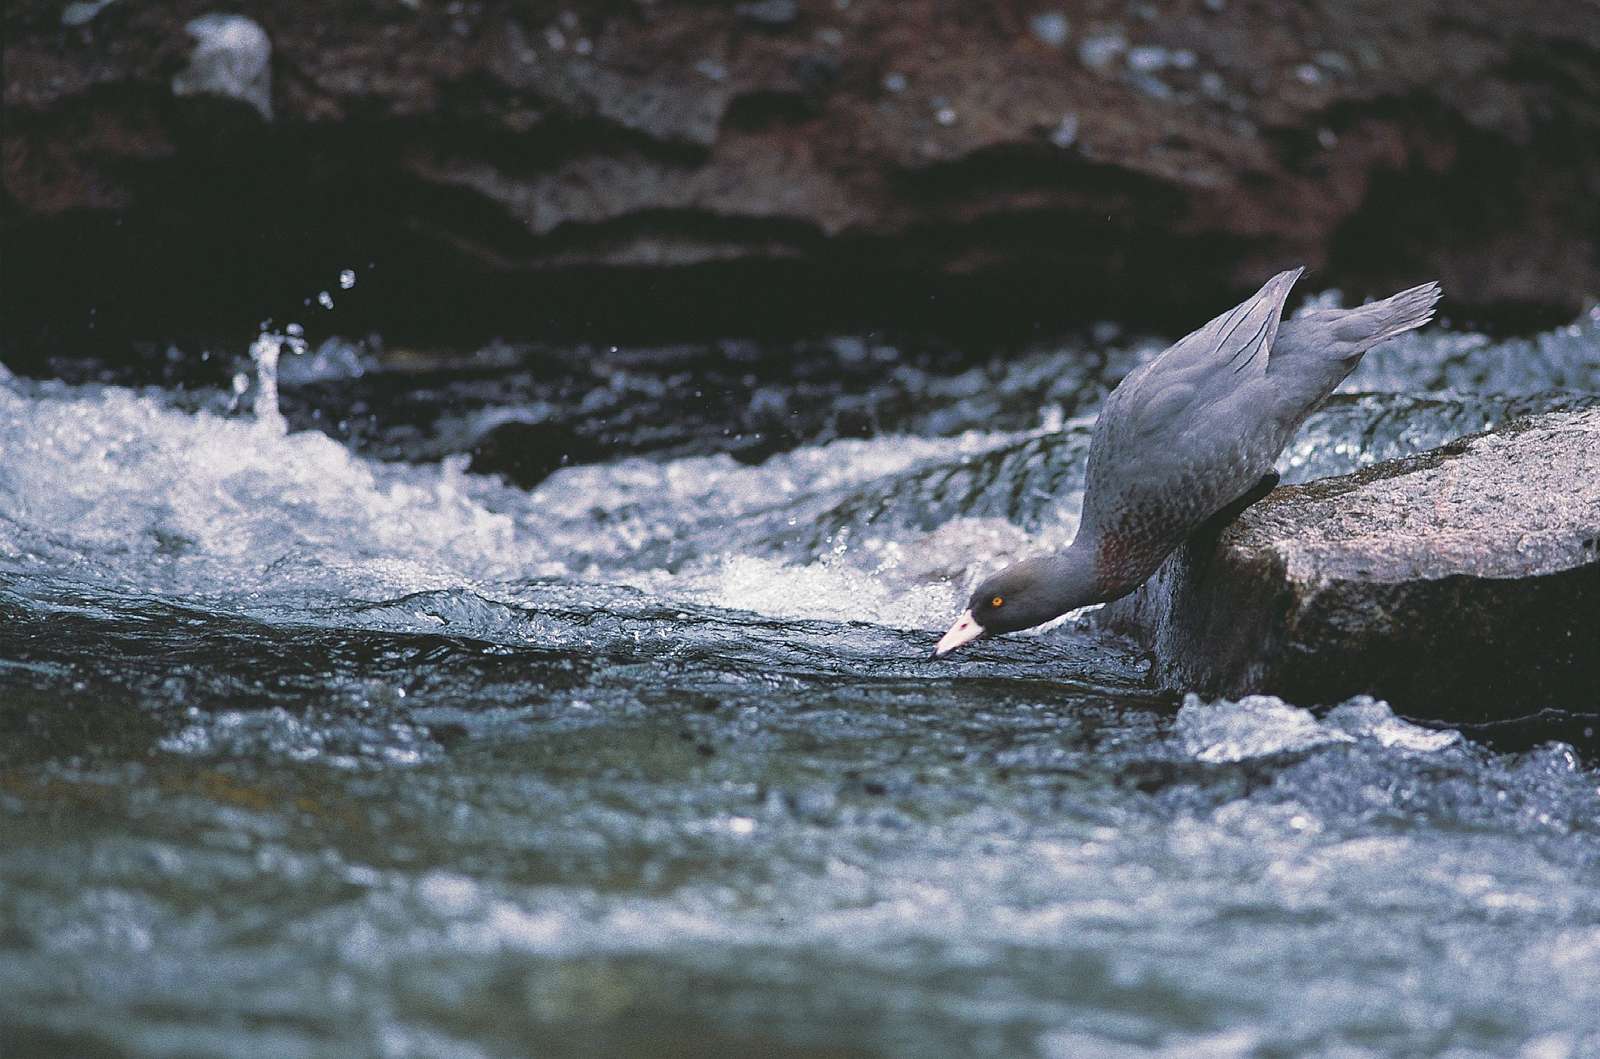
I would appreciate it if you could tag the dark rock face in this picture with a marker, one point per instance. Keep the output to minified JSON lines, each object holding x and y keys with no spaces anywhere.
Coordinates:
{"x":629,"y":170}
{"x":1462,"y":584}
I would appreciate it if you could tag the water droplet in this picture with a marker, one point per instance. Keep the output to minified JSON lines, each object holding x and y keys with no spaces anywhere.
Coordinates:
{"x":945,"y":116}
{"x":1065,"y":134}
{"x":325,"y":299}
{"x":347,"y":279}
{"x":894,"y":82}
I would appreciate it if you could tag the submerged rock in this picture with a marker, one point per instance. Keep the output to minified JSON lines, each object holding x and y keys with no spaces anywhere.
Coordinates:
{"x":1463,"y":583}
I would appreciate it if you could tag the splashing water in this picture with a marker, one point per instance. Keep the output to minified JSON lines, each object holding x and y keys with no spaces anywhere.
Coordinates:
{"x":311,"y":754}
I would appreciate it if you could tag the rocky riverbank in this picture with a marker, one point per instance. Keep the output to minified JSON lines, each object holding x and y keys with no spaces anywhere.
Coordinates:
{"x":644,"y":170}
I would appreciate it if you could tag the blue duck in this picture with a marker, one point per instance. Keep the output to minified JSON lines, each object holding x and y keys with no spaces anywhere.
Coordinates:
{"x":1191,"y":434}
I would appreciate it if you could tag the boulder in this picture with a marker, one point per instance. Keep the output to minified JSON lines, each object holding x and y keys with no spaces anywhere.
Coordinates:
{"x":1461,"y":584}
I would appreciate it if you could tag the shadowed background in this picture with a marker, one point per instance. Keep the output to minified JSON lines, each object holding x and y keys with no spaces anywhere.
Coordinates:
{"x":651,"y":171}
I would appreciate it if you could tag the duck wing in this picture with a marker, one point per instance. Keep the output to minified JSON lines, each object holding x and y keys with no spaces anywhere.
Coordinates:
{"x":1177,"y":392}
{"x":1180,"y":437}
{"x":1238,"y":341}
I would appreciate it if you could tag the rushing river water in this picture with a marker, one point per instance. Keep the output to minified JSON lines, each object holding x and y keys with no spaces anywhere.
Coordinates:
{"x":308,"y":753}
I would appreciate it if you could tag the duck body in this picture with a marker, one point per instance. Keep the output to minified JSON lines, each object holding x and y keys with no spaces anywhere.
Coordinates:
{"x":1181,"y":439}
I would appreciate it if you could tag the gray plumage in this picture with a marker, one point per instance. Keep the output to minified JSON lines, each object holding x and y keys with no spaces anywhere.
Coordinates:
{"x":1188,"y":434}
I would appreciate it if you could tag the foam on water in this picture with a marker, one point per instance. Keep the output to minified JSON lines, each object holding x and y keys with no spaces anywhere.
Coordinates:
{"x":825,"y":591}
{"x":116,"y":487}
{"x":1255,"y":726}
{"x":113,"y":486}
{"x":1263,"y":725}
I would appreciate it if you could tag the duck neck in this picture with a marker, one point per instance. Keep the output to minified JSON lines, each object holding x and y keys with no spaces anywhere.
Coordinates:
{"x":1072,"y":578}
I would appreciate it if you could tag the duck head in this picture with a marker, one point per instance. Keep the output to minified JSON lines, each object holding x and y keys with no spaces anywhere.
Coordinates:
{"x":1023,"y":595}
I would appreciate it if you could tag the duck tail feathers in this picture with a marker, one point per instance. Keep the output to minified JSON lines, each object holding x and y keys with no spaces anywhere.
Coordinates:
{"x":1406,"y":311}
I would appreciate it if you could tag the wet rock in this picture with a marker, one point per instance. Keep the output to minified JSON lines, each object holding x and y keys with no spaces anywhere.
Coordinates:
{"x":1461,"y":584}
{"x":673,"y":170}
{"x":232,"y":59}
{"x":768,"y":12}
{"x":82,"y":12}
{"x":1051,"y":28}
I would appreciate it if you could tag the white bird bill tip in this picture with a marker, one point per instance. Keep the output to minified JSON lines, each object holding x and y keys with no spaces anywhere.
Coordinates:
{"x":965,"y":630}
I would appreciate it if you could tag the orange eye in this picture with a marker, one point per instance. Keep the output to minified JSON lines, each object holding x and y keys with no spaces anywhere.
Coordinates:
{"x":997,"y":601}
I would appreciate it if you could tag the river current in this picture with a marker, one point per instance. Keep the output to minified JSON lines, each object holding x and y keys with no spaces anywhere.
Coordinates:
{"x":317,"y":743}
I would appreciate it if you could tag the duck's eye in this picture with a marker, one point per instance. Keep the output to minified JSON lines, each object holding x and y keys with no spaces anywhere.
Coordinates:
{"x":998,"y":601}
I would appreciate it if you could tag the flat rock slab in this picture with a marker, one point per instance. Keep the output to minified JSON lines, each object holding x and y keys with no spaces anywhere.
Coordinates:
{"x":1461,"y":584}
